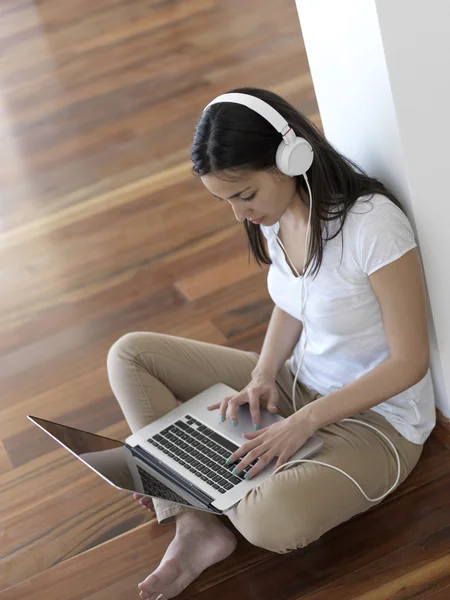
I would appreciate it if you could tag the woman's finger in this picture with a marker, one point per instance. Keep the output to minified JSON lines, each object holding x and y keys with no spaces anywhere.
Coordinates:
{"x":222,"y":406}
{"x":243,"y":450}
{"x":235,"y":402}
{"x":251,"y":435}
{"x":254,"y":408}
{"x":263,"y":461}
{"x":243,"y":397}
{"x":263,"y":453}
{"x":223,"y":409}
{"x":282,"y":460}
{"x":273,"y":400}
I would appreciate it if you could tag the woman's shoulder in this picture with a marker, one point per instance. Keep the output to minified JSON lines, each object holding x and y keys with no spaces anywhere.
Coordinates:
{"x":373,"y":202}
{"x":374,"y":211}
{"x":379,"y":232}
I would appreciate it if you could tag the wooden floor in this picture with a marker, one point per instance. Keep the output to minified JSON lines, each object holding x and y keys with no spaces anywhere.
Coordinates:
{"x":104,"y":230}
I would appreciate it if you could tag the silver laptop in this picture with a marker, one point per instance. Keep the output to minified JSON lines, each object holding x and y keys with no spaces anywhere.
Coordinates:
{"x":180,"y":457}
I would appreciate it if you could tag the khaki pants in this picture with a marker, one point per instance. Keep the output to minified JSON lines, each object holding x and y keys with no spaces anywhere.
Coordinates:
{"x":148,"y":372}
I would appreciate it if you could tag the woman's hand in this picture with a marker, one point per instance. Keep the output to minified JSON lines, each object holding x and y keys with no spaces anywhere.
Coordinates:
{"x":261,"y":387}
{"x":281,"y":439}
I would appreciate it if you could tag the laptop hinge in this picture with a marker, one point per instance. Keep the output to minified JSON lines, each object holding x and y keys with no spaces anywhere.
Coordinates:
{"x":164,"y":470}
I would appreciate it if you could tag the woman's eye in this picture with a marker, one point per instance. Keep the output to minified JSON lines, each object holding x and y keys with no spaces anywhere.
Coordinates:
{"x":249,"y":198}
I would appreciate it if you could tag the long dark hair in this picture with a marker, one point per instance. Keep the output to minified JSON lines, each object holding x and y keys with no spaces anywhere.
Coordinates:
{"x":231,"y":137}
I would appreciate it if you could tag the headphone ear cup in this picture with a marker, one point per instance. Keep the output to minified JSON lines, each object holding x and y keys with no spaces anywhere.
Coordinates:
{"x":294,"y":158}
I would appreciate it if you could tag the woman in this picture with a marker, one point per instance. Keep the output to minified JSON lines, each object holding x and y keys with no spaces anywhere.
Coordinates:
{"x":366,"y":353}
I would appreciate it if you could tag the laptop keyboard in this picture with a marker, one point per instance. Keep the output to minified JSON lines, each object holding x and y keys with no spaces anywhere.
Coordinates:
{"x":200,"y":450}
{"x":153,"y":487}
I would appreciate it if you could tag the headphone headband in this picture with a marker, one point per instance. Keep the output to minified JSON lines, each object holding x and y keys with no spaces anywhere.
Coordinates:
{"x":294,"y":154}
{"x":259,"y":106}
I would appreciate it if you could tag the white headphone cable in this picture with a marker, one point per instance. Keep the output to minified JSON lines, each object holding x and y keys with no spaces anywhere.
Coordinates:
{"x":303,"y":299}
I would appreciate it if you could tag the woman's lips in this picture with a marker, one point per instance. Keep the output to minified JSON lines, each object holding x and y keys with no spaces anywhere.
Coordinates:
{"x":256,"y":221}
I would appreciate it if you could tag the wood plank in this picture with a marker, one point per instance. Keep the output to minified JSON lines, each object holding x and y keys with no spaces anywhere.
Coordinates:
{"x":71,"y":215}
{"x":74,"y":511}
{"x":48,"y":404}
{"x":216,"y":278}
{"x":197,"y":36}
{"x":443,"y":428}
{"x":256,"y":573}
{"x":5,"y":462}
{"x":435,"y":459}
{"x":237,"y":321}
{"x":408,"y":574}
{"x":31,"y":442}
{"x":43,"y":286}
{"x":443,"y":594}
{"x":118,"y":565}
{"x":110,"y":294}
{"x":251,"y":340}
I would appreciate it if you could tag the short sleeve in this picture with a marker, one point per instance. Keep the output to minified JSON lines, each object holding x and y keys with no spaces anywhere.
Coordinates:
{"x":385,"y":234}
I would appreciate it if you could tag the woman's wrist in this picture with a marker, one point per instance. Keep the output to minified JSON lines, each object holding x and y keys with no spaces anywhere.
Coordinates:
{"x":265,"y":372}
{"x":309,"y":417}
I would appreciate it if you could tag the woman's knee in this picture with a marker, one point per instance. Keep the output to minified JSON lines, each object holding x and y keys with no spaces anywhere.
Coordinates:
{"x":129,"y":346}
{"x":269,"y":519}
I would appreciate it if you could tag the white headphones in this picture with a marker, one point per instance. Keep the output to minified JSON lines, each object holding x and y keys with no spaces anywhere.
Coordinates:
{"x":294,"y":154}
{"x":294,"y":157}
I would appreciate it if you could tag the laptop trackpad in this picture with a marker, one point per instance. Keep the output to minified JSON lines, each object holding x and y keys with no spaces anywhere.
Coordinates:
{"x":245,"y":422}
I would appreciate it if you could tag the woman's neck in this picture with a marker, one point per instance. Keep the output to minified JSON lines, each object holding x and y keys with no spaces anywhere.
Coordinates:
{"x":296,"y":215}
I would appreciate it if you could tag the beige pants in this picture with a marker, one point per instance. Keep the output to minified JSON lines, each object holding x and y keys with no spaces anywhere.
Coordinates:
{"x":148,"y":372}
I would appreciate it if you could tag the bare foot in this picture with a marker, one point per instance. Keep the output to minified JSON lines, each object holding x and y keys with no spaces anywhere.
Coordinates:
{"x":145,"y":501}
{"x":200,"y":541}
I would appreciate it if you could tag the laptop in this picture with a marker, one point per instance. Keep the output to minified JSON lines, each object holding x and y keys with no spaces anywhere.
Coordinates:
{"x":179,"y":457}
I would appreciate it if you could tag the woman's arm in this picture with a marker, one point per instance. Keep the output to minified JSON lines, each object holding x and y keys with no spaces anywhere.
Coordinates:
{"x":281,"y":337}
{"x":399,"y":288}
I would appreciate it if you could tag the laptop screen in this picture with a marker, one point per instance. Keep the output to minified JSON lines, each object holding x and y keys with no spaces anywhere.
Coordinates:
{"x":105,"y":456}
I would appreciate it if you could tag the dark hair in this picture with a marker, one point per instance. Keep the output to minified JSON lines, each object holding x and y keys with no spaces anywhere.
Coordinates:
{"x":232,"y":137}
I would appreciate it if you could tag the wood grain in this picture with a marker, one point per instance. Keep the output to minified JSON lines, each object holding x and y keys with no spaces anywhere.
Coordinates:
{"x":443,"y":594}
{"x":5,"y":463}
{"x":213,"y":279}
{"x":411,"y":527}
{"x":406,"y":574}
{"x":443,"y":428}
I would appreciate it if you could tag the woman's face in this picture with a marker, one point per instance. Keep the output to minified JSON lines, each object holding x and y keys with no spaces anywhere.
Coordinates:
{"x":259,"y":196}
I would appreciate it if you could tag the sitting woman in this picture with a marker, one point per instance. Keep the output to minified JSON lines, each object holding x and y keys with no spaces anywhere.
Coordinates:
{"x":349,"y":320}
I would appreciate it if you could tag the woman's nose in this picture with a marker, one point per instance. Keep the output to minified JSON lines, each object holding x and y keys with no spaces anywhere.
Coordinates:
{"x":241,"y":215}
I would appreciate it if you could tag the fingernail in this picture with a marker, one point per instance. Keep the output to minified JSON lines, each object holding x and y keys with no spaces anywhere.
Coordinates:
{"x":256,"y":426}
{"x":235,"y":471}
{"x":222,"y":419}
{"x":234,"y":422}
{"x":247,"y":476}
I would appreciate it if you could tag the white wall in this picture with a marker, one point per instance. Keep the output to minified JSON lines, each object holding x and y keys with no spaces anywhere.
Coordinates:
{"x":381,"y":73}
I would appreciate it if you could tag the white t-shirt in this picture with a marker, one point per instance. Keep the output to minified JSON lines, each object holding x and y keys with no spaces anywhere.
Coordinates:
{"x":346,"y":337}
